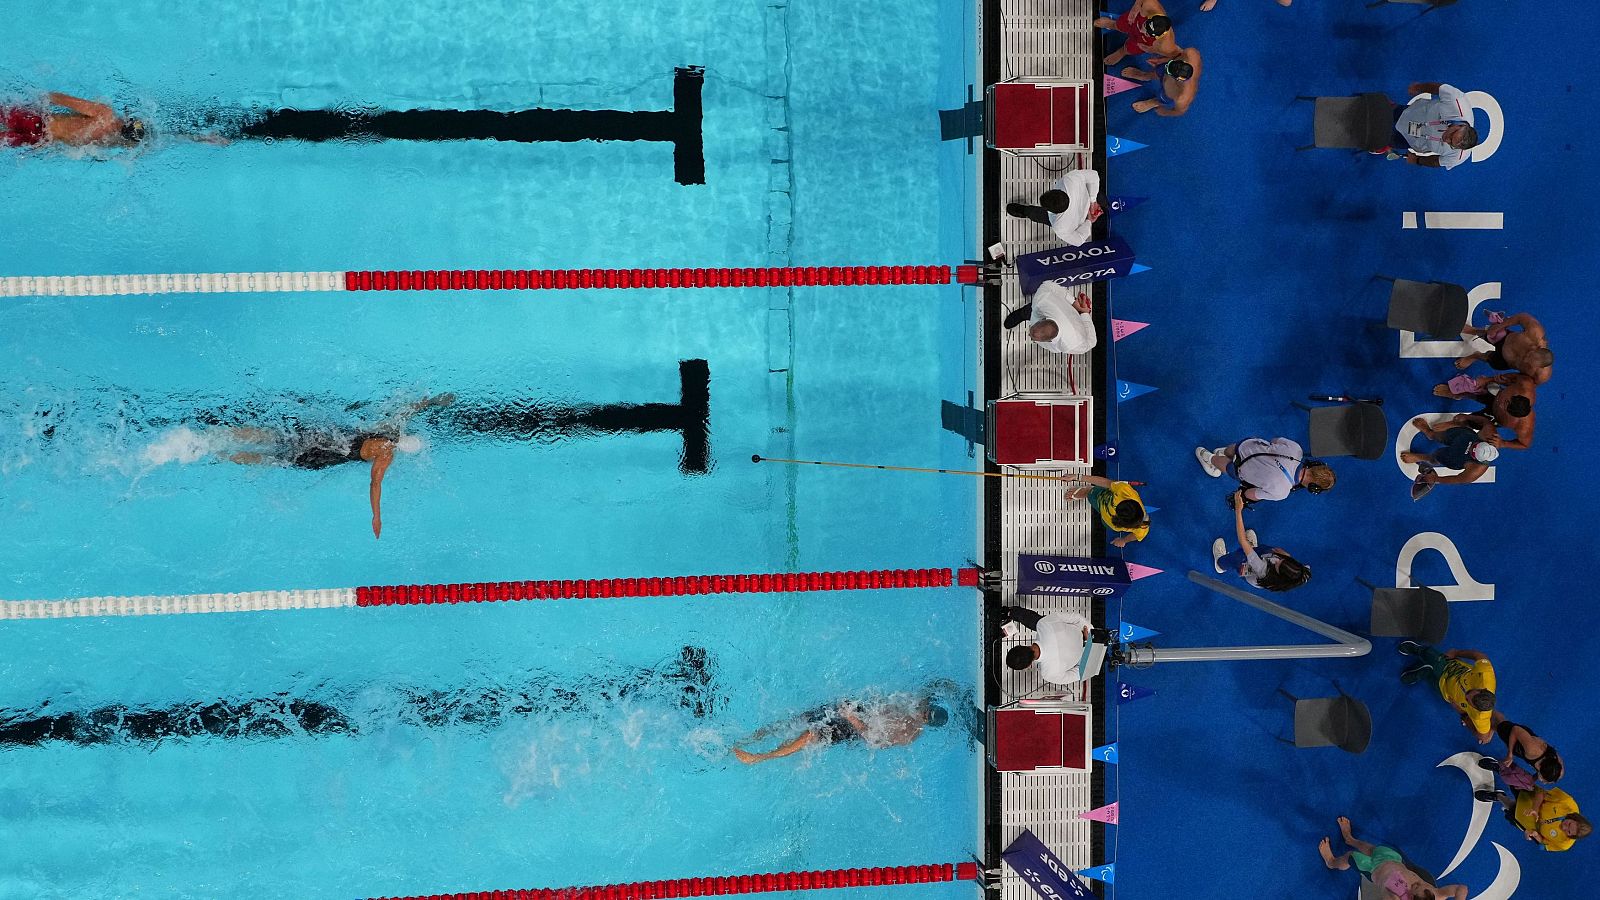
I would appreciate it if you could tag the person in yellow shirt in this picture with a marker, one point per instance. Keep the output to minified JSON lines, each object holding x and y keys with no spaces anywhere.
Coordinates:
{"x":1118,"y":504}
{"x":1547,"y":816}
{"x":1465,"y":679}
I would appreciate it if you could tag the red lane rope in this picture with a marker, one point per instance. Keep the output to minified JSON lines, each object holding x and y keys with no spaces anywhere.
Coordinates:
{"x":559,"y":279}
{"x":688,"y":585}
{"x":729,"y":884}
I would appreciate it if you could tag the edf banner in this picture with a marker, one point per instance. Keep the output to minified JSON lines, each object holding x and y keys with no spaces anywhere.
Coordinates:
{"x":1057,"y":575}
{"x":1052,"y":880}
{"x":1094,"y":261}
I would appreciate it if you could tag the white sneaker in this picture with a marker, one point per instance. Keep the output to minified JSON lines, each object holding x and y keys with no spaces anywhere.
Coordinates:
{"x":1250,"y":535}
{"x":1219,"y":548}
{"x":1204,"y":456}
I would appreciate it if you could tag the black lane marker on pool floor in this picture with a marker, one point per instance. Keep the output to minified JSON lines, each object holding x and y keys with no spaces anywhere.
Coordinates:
{"x":538,"y":421}
{"x":688,"y":682}
{"x":680,"y":126}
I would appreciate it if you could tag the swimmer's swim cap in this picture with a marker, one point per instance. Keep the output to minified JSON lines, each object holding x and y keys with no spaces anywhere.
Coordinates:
{"x":1156,"y":26}
{"x":937,"y":716}
{"x":1179,"y":69}
{"x":134,"y":131}
{"x":1485,"y":452}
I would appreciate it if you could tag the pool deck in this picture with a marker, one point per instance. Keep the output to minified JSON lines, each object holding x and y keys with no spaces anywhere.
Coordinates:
{"x":1042,"y":38}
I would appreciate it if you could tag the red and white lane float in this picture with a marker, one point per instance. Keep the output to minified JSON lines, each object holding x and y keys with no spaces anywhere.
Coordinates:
{"x":478,"y":280}
{"x":491,"y":592}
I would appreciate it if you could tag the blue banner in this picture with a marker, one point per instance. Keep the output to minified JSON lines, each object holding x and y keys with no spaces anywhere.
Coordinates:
{"x":1094,"y":261}
{"x":1047,"y":875}
{"x":1055,"y":575}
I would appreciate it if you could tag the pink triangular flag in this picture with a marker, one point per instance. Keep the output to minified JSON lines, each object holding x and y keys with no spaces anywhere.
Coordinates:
{"x":1115,"y":85}
{"x":1136,"y":571}
{"x":1106,"y":814}
{"x":1121,"y":328}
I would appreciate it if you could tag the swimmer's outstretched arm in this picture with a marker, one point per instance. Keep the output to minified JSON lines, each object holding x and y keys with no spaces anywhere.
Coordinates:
{"x":375,"y":491}
{"x":79,"y":105}
{"x":793,"y":747}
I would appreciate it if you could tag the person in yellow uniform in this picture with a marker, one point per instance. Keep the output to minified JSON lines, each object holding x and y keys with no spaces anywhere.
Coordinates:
{"x":1118,"y":504}
{"x":1465,"y":679}
{"x":1547,"y":816}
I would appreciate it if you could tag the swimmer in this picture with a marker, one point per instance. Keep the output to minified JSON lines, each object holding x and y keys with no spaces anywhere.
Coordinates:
{"x":87,"y":124}
{"x":323,"y":450}
{"x":1386,"y":868}
{"x":1175,"y":82}
{"x":879,"y":726}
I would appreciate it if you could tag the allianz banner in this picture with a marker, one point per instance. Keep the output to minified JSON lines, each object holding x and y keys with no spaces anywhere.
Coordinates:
{"x":1055,"y":575}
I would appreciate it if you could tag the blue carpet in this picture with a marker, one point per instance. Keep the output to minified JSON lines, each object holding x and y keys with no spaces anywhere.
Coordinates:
{"x":1261,"y":293}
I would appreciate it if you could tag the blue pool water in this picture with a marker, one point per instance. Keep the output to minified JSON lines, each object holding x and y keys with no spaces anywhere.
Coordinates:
{"x":821,"y":146}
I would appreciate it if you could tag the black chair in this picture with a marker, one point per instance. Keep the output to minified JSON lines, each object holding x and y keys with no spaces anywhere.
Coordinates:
{"x":1355,"y":429}
{"x":1435,"y":308}
{"x":1421,"y":614}
{"x":1430,"y":4}
{"x":1341,"y":721}
{"x":1362,"y":122}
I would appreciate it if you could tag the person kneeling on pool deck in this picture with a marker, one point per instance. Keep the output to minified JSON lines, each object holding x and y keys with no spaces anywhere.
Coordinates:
{"x":1271,"y":570}
{"x":1547,"y":816}
{"x":1386,"y":867}
{"x":1470,"y":449}
{"x":1175,"y":82}
{"x":1058,"y":322}
{"x":1118,"y":503}
{"x":1064,"y":647}
{"x":1069,"y":208}
{"x":1434,"y":132}
{"x":878,"y":726}
{"x":1148,"y":28}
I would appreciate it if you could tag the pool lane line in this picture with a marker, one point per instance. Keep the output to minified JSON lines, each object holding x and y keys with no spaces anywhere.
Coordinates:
{"x":871,"y":876}
{"x":490,"y":592}
{"x":477,"y":280}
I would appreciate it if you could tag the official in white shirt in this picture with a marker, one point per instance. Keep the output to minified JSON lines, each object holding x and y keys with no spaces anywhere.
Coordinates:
{"x":1063,"y":645}
{"x":1434,"y":132}
{"x":1057,"y":321}
{"x":1069,"y":208}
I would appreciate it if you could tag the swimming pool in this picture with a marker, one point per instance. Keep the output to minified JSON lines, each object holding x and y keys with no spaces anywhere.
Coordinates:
{"x":466,"y":763}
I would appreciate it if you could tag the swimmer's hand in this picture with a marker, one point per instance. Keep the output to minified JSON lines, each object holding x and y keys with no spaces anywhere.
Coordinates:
{"x":377,"y":527}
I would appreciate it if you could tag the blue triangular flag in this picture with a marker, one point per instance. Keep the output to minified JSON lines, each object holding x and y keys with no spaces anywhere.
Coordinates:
{"x":1106,"y":873}
{"x":1137,"y":268}
{"x":1132,"y":632}
{"x":1127,"y":693}
{"x":1118,"y":204}
{"x":1127,"y":390}
{"x":1116,"y":146}
{"x":1106,"y":753}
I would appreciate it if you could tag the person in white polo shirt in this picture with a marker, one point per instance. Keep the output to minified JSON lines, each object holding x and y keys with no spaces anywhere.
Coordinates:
{"x":1266,"y":470}
{"x":1063,"y":644}
{"x":1070,"y":208}
{"x":1057,"y":321}
{"x":1435,"y":131}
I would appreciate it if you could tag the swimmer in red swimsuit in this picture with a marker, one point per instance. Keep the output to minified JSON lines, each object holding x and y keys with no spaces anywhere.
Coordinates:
{"x":1148,"y":30}
{"x":88,"y":124}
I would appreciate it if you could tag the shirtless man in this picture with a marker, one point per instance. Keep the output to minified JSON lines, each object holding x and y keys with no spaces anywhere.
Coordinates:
{"x":1148,"y":30}
{"x":1386,"y":868}
{"x":1511,"y":408}
{"x":89,"y":124}
{"x":1526,"y":351}
{"x":1176,"y":81}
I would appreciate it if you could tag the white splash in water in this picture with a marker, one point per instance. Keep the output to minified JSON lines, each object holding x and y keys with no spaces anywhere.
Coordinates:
{"x":182,"y":445}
